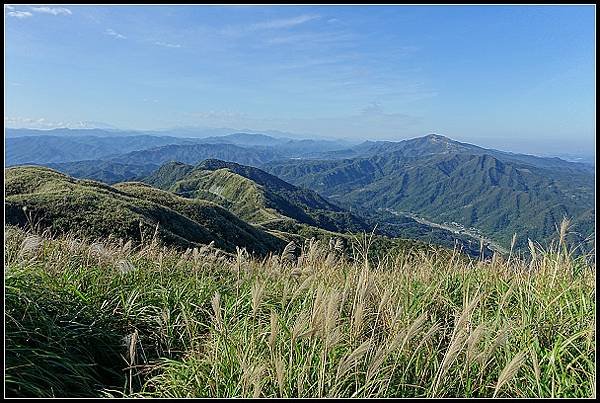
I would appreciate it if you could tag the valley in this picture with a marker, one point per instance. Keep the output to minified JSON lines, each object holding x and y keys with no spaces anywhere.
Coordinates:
{"x":290,"y":201}
{"x":455,"y":228}
{"x":442,"y":188}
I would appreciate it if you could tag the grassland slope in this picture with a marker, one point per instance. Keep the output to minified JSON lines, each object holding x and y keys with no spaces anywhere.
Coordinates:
{"x":44,"y":198}
{"x":253,"y":194}
{"x":147,"y":321}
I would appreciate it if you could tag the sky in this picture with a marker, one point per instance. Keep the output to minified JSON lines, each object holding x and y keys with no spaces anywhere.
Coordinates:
{"x":518,"y":78}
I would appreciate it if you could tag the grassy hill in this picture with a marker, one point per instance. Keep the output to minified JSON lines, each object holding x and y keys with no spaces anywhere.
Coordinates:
{"x":84,"y":320}
{"x":253,"y":194}
{"x":42,"y":197}
{"x":445,"y":181}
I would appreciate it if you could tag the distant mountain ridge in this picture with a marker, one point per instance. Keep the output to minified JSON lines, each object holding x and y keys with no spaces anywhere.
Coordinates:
{"x":60,"y":146}
{"x":460,"y":186}
{"x":60,"y":149}
{"x":245,"y":139}
{"x":109,"y":172}
{"x":438,"y":144}
{"x":192,"y":154}
{"x":496,"y":192}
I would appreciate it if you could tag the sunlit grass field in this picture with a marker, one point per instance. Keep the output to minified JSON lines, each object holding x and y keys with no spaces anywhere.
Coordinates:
{"x":108,"y":318}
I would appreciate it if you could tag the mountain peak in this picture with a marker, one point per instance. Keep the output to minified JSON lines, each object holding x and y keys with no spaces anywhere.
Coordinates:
{"x":437,"y":137}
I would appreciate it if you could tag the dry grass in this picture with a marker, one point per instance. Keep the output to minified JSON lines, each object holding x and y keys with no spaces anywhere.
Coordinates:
{"x":206,"y":324}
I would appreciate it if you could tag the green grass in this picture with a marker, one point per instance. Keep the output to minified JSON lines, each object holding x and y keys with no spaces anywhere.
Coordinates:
{"x":91,"y":319}
{"x":37,"y":196}
{"x":253,"y":195}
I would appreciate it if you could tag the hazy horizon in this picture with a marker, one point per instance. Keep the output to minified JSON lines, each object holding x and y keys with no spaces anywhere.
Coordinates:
{"x":516,"y":78}
{"x":587,"y":156}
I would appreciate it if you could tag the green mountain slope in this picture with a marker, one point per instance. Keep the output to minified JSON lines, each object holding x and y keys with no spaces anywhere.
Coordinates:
{"x":253,"y":194}
{"x":435,"y":144}
{"x":104,"y":171}
{"x":62,"y":204}
{"x":443,"y":181}
{"x":262,"y":198}
{"x":192,"y":154}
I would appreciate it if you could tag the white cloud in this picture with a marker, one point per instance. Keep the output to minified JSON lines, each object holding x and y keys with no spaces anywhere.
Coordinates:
{"x":52,"y":10}
{"x":8,"y":7}
{"x":284,"y":22}
{"x":311,"y":38}
{"x":19,"y":14}
{"x":45,"y":124}
{"x":168,"y":45}
{"x":374,"y":108}
{"x":280,"y":23}
{"x":31,"y":123}
{"x":318,"y":62}
{"x":113,"y":33}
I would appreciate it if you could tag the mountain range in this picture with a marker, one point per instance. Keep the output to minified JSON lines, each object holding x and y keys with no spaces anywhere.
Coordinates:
{"x":430,"y":188}
{"x":24,"y":146}
{"x":494,"y":193}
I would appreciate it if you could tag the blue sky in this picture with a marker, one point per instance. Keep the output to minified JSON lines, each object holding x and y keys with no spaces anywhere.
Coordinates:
{"x":511,"y":77}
